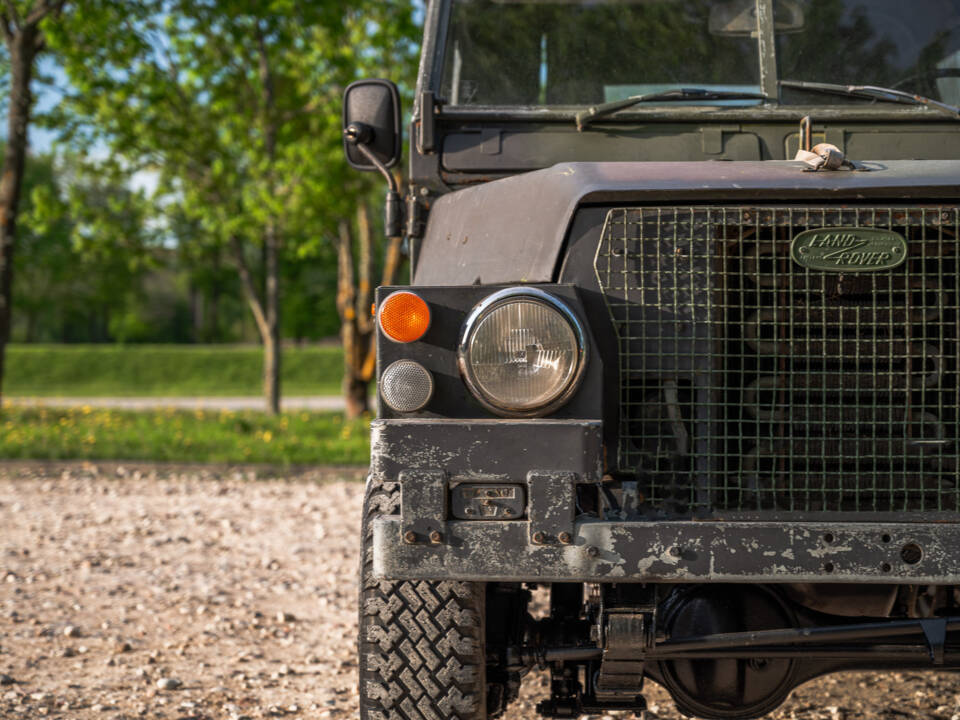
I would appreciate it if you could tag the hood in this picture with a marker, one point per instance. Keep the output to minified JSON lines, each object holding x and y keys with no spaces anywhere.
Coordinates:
{"x":513,"y":229}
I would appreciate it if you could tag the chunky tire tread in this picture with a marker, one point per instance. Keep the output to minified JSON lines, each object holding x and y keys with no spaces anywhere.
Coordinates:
{"x":421,"y":643}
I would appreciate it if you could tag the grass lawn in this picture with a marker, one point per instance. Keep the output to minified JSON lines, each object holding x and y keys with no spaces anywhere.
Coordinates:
{"x":164,"y":370}
{"x":182,"y":436}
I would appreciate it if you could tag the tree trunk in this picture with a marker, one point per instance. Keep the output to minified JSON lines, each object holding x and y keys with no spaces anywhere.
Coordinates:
{"x":263,"y":313}
{"x":271,"y":241}
{"x":22,"y":48}
{"x":354,"y":389}
{"x":366,"y":352}
{"x":212,"y":327}
{"x":196,"y":313}
{"x":271,"y":343}
{"x":354,"y":297}
{"x":355,"y":396}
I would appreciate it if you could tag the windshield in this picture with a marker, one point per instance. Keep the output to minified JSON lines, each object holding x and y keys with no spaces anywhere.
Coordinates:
{"x":583,"y":52}
{"x":911,"y":45}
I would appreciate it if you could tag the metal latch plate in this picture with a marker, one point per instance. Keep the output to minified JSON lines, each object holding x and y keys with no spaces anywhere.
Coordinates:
{"x":482,"y":501}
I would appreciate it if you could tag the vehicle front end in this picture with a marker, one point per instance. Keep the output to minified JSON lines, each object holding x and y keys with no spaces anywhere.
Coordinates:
{"x":704,"y":394}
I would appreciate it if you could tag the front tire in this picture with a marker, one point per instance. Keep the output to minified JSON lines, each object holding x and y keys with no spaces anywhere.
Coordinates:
{"x":421,"y":643}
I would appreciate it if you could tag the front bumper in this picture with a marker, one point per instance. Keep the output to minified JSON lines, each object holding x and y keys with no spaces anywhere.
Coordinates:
{"x":553,"y":543}
{"x":677,"y":551}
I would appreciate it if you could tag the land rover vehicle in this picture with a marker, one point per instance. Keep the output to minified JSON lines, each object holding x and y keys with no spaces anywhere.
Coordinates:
{"x":702,"y":394}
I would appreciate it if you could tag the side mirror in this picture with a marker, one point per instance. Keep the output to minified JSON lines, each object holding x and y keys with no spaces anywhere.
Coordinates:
{"x":371,"y":117}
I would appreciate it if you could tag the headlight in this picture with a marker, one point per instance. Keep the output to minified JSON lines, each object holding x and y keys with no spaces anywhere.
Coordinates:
{"x":522,"y":352}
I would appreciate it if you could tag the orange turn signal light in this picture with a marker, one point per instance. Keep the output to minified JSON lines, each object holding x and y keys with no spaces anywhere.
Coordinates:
{"x":404,"y":317}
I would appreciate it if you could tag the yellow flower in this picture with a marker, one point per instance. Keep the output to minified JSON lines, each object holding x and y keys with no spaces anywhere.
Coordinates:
{"x":267,"y":436}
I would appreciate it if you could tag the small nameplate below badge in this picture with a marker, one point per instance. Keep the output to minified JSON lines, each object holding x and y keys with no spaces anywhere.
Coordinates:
{"x":849,"y":249}
{"x":475,"y":501}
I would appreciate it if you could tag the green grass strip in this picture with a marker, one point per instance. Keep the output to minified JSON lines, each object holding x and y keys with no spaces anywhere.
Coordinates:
{"x":165,"y":370}
{"x":297,"y":438}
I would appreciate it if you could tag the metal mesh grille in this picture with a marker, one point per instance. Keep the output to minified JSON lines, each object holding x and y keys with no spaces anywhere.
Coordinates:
{"x":749,"y":382}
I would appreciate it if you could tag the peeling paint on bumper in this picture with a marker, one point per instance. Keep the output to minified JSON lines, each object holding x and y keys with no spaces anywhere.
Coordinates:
{"x":678,"y":551}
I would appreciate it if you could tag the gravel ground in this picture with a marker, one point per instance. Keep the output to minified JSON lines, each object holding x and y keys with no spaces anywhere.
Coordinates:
{"x":186,"y":592}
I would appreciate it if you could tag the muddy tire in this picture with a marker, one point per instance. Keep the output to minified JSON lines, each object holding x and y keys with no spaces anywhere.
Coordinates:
{"x":421,"y":644}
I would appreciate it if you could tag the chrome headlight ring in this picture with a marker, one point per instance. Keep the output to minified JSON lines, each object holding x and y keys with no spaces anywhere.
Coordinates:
{"x":496,"y":300}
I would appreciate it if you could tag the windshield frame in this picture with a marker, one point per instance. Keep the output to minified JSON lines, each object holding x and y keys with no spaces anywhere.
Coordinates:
{"x":436,"y":30}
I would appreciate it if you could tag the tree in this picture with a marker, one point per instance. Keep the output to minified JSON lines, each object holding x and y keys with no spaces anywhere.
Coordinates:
{"x":23,"y":26}
{"x":236,"y":107}
{"x":356,"y":267}
{"x":84,"y":247}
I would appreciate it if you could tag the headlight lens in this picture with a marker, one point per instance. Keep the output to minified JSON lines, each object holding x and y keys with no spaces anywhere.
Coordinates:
{"x":522,"y":352}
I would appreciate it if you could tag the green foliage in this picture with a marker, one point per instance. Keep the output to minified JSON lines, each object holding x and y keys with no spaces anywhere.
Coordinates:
{"x":83,"y":246}
{"x":93,"y":264}
{"x":235,"y":105}
{"x":183,"y":436}
{"x":164,"y":370}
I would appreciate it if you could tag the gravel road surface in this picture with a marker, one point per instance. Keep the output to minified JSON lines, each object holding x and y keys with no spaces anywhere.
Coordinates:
{"x":164,"y":592}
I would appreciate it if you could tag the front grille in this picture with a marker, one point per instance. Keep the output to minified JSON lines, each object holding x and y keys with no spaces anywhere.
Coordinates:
{"x":751,"y":383}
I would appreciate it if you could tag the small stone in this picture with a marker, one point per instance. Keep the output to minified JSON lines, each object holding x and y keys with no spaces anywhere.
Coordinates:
{"x":42,"y":697}
{"x":169,"y":683}
{"x":69,"y":652}
{"x":285,"y":617}
{"x":71,"y":631}
{"x":6,"y":679}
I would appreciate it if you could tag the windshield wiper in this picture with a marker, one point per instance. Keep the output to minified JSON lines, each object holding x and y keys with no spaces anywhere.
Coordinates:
{"x":596,"y":112}
{"x":871,"y":92}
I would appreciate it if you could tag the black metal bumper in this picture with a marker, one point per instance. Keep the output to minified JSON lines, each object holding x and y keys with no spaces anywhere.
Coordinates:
{"x":550,"y":543}
{"x":676,"y":551}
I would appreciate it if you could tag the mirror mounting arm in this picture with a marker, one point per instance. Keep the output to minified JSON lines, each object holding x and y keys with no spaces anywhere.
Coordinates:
{"x":360,"y":135}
